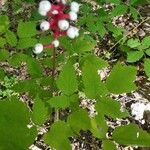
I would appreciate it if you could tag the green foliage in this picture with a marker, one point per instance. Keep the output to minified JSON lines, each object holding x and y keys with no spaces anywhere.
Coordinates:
{"x":2,"y":42}
{"x":147,"y":67}
{"x":108,"y":145}
{"x":119,"y":10}
{"x":13,"y":126}
{"x":58,"y":136}
{"x":146,"y":42}
{"x":93,"y":87}
{"x":26,"y":29}
{"x":131,"y":135}
{"x":121,"y":80}
{"x":79,"y":123}
{"x":26,"y":42}
{"x":4,"y":23}
{"x":83,"y":44}
{"x":2,"y":74}
{"x":60,"y":101}
{"x":110,"y":108}
{"x":6,"y":86}
{"x":4,"y":55}
{"x":33,"y":66}
{"x":133,"y":43}
{"x":67,"y":74}
{"x":11,"y":38}
{"x":134,"y":56}
{"x":39,"y":106}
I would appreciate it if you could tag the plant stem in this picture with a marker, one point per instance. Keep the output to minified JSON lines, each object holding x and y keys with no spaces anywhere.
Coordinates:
{"x":53,"y":69}
{"x":56,"y":111}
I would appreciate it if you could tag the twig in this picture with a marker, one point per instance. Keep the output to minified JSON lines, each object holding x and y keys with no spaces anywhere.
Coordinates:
{"x":129,"y":33}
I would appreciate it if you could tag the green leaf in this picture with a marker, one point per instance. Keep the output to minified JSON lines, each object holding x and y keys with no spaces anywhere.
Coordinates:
{"x":101,"y":29}
{"x":147,"y":51}
{"x":4,"y":23}
{"x":83,"y":44}
{"x":4,"y":55}
{"x":147,"y":67}
{"x":134,"y":12}
{"x":121,"y":79}
{"x":146,"y":42}
{"x":13,"y":126}
{"x":108,"y":145}
{"x":98,"y":126}
{"x":58,"y":135}
{"x":47,"y":62}
{"x":93,"y":87}
{"x":29,"y":86}
{"x":79,"y":120}
{"x":110,"y":108}
{"x":117,"y":31}
{"x":17,"y":59}
{"x":46,"y":39}
{"x":133,"y":43}
{"x":26,"y":42}
{"x":67,"y":81}
{"x":101,"y":125}
{"x":2,"y":74}
{"x":113,"y":1}
{"x":26,"y":29}
{"x":34,"y":67}
{"x":59,"y":102}
{"x":97,"y":62}
{"x":131,"y":135}
{"x":119,"y":10}
{"x":134,"y":56}
{"x":2,"y":42}
{"x":11,"y":38}
{"x":40,"y":111}
{"x":46,"y":81}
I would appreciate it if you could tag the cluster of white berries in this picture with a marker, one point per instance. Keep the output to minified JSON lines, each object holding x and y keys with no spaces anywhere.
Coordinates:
{"x":138,"y":109}
{"x":58,"y":21}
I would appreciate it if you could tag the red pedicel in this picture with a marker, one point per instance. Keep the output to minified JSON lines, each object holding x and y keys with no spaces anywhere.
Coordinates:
{"x":48,"y":46}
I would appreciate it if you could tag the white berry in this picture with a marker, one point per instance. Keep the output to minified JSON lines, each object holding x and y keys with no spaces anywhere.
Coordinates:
{"x":74,"y":7}
{"x":55,"y":43}
{"x":73,"y":16}
{"x":63,"y":24}
{"x":45,"y":5}
{"x":42,"y":12}
{"x":73,"y":32}
{"x":38,"y":48}
{"x":63,"y":1}
{"x":44,"y":26}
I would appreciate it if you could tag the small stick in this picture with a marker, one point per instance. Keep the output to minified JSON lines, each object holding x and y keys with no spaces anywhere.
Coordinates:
{"x":129,"y":33}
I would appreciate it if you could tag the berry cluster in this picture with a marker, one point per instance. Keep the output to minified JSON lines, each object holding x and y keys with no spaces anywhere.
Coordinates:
{"x":59,"y":22}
